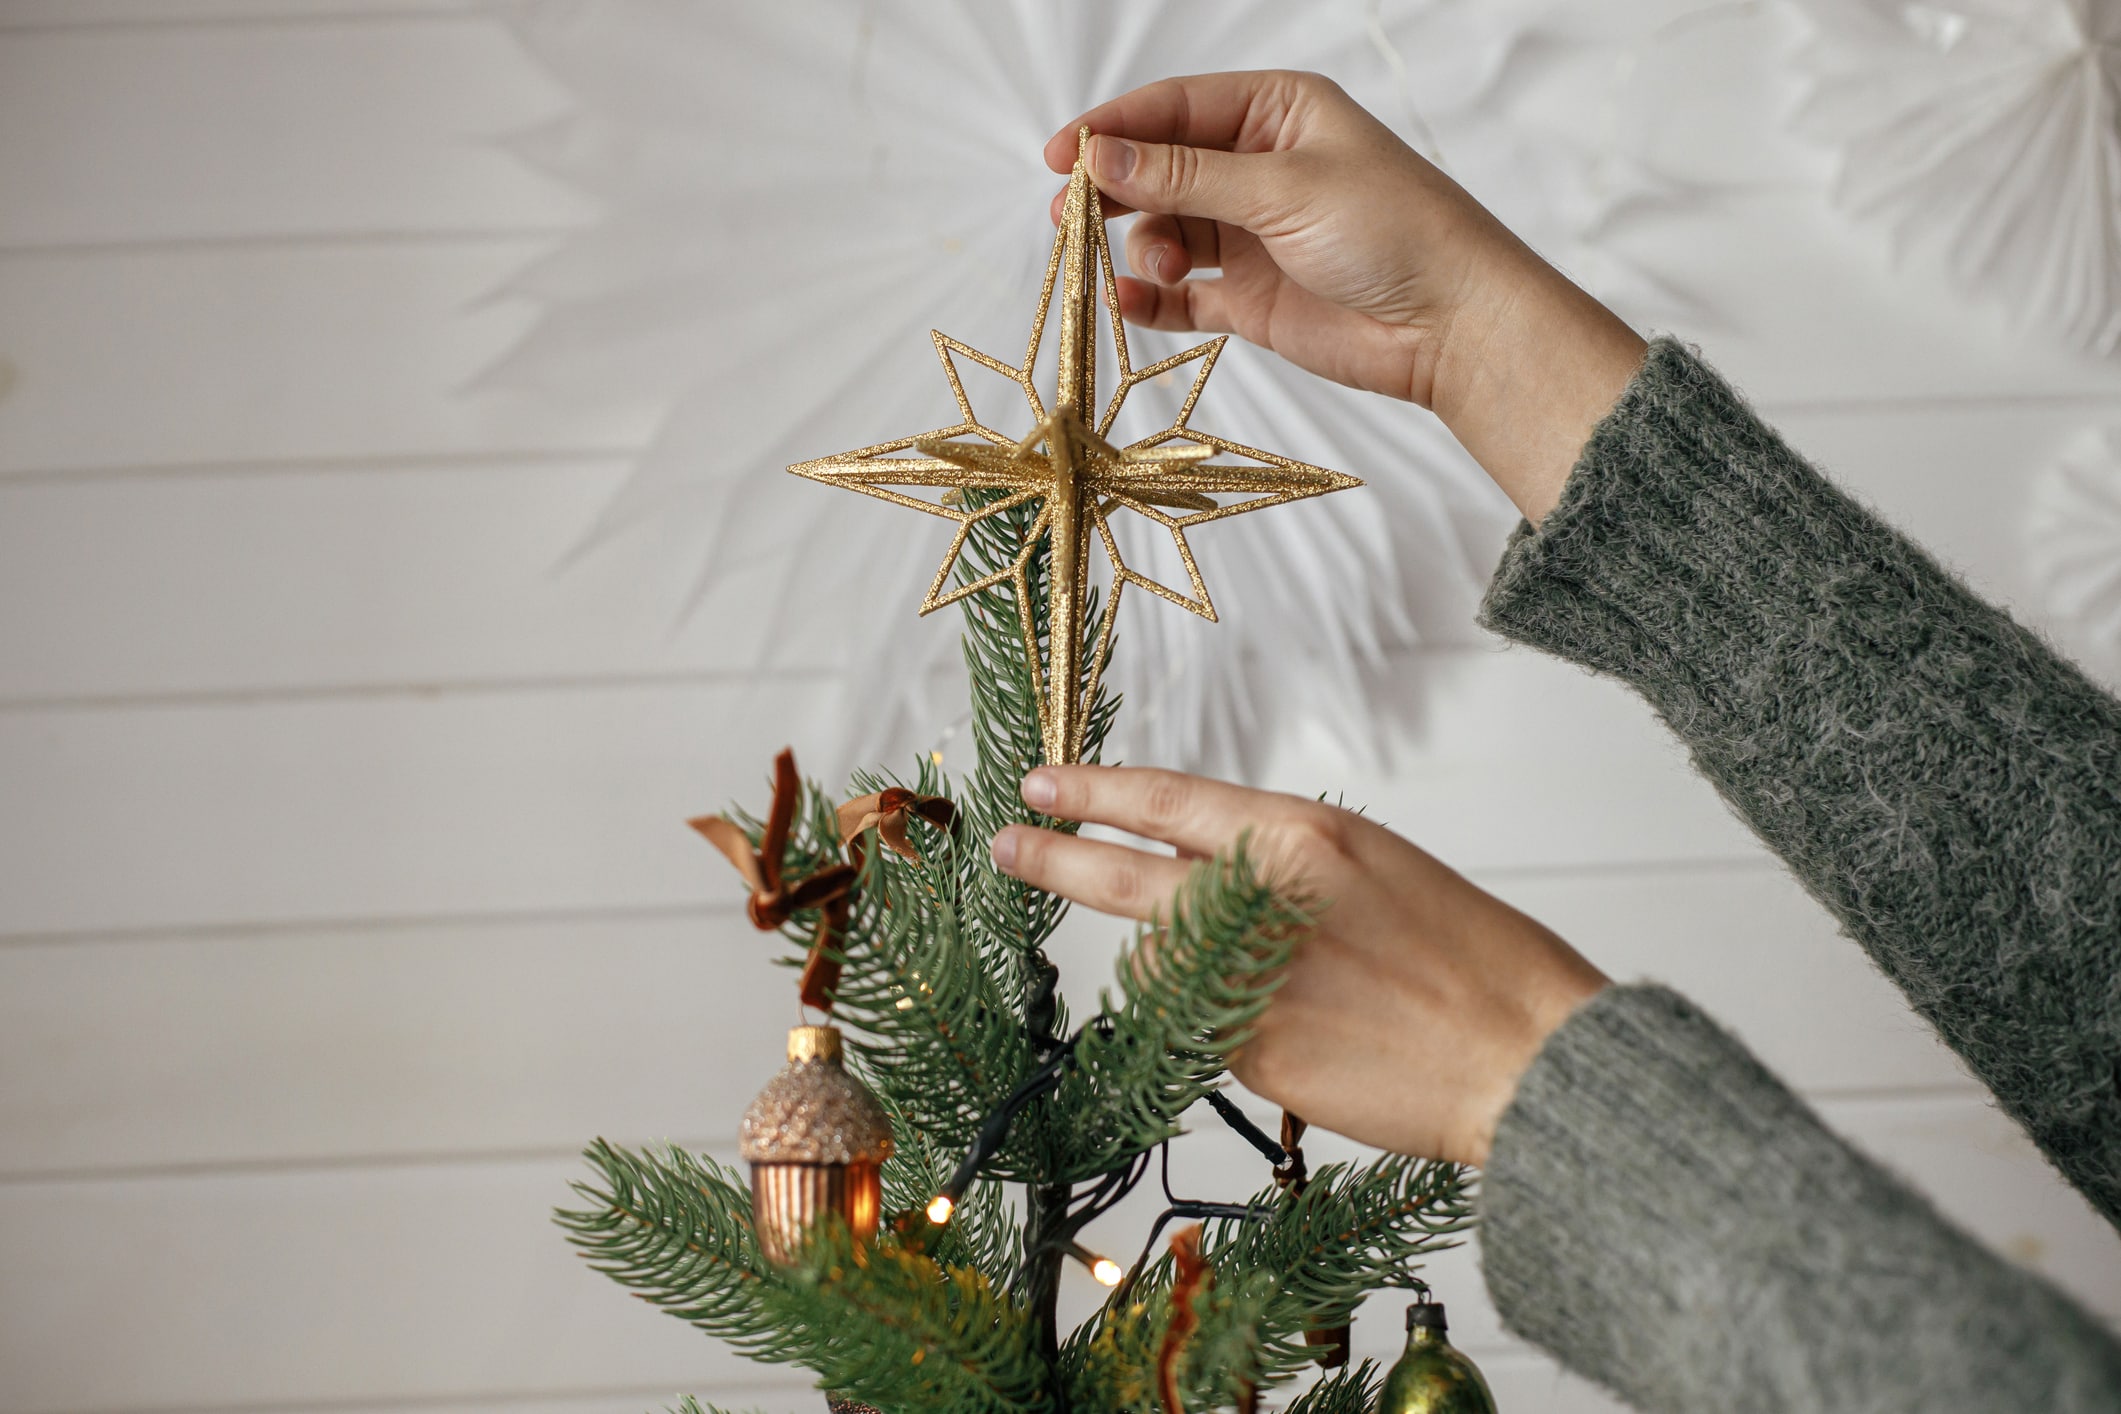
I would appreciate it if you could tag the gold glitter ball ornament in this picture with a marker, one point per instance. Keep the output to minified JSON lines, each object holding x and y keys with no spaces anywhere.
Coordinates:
{"x":816,"y":1140}
{"x":1433,"y":1376}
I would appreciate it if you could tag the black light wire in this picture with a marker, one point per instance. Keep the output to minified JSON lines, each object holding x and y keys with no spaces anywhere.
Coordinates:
{"x":1198,"y":1210}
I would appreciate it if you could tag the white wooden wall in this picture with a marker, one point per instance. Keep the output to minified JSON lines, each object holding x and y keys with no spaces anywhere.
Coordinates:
{"x":340,"y":893}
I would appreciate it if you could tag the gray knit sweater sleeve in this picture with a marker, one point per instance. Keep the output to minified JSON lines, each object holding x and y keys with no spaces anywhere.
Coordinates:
{"x":1668,"y":1219}
{"x":1950,"y":790}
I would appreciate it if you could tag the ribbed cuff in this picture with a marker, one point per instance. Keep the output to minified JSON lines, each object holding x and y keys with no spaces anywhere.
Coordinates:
{"x":1686,"y":521}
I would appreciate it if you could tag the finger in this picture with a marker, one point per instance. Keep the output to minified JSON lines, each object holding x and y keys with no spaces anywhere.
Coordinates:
{"x":1108,"y":207}
{"x":1242,"y":188}
{"x":1203,"y":241}
{"x":1111,"y":878}
{"x":1156,"y":250}
{"x":1168,"y":248}
{"x":1192,"y":306}
{"x":1199,"y":110}
{"x":1191,"y":812}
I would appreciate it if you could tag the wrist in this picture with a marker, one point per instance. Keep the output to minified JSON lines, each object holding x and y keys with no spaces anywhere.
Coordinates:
{"x":1527,"y":366}
{"x":1549,"y":1011}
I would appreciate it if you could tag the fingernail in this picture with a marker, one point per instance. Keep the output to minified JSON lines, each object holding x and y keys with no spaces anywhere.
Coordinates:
{"x":1003,"y":849}
{"x":1112,"y":159}
{"x":1157,"y":256}
{"x":1040,"y":789}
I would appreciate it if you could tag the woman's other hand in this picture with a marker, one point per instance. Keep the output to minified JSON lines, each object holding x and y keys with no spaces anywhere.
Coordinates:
{"x":1410,"y":1012}
{"x":1346,"y":252}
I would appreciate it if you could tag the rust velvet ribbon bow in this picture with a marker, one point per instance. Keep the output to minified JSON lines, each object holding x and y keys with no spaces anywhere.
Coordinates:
{"x":776,"y":898}
{"x":886,"y":812}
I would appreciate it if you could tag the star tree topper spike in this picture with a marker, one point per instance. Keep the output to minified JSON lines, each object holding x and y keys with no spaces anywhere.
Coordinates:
{"x":1077,"y":477}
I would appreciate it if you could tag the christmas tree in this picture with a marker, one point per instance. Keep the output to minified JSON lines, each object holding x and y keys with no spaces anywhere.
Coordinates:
{"x":921,"y":1271}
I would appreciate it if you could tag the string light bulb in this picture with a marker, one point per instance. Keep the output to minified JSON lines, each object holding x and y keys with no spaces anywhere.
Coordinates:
{"x":1104,"y":1269}
{"x":940,"y":1207}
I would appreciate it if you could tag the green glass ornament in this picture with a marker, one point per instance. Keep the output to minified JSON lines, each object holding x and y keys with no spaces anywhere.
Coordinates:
{"x":1433,"y":1376}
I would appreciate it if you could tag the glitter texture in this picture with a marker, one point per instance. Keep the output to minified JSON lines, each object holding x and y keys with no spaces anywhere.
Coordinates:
{"x":814,"y":1112}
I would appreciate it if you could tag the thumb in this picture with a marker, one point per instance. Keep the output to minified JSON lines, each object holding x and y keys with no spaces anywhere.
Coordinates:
{"x":1176,"y":180}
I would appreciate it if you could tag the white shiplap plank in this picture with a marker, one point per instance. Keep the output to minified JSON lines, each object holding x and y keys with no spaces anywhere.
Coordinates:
{"x":435,"y":1040}
{"x":346,"y":1045}
{"x":216,"y":132}
{"x":446,"y":1281}
{"x":343,"y":579}
{"x":406,"y":806}
{"x":777,"y":1396}
{"x":419,"y":805}
{"x":330,"y":353}
{"x":1590,"y":777}
{"x":294,"y":1290}
{"x":438,"y":573}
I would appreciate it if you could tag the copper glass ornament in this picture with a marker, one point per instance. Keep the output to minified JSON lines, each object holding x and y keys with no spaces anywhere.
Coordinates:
{"x":816,"y":1141}
{"x":1432,"y":1375}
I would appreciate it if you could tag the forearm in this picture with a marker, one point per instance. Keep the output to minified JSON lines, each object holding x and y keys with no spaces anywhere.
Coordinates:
{"x":1943,"y":783}
{"x":1668,"y":1219}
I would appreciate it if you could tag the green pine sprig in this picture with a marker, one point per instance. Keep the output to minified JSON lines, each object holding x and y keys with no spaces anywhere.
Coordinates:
{"x":1188,"y":991}
{"x":1352,"y":1390}
{"x":891,"y":1326}
{"x":675,"y":1228}
{"x":1354,"y":1230}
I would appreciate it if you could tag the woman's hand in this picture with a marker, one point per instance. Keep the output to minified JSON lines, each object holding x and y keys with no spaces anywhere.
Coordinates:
{"x":1411,"y":1011}
{"x":1346,"y":252}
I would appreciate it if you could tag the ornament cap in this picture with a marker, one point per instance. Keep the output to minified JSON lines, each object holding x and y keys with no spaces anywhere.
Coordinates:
{"x":1427,"y":1315}
{"x":814,"y":1043}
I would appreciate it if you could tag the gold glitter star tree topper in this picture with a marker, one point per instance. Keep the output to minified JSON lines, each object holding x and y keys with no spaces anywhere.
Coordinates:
{"x":1077,"y":478}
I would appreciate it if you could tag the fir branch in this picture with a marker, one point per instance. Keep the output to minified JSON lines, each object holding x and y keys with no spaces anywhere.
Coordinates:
{"x":885,"y":1323}
{"x":934,"y":1027}
{"x":676,"y":1229}
{"x":982,"y":1231}
{"x":1189,"y":992}
{"x":1010,"y":915}
{"x":1309,"y":1264}
{"x":1351,"y":1391}
{"x":1352,"y":1231}
{"x":1221,"y":1359}
{"x":893,"y":1327}
{"x":1110,"y":1362}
